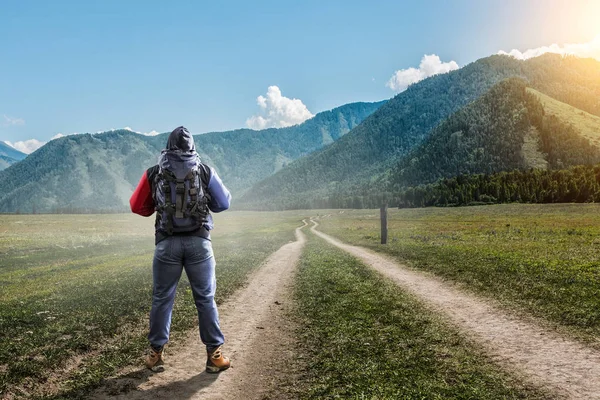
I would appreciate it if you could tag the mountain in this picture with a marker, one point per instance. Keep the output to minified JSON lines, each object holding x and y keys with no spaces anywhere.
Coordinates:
{"x":93,"y":172}
{"x":244,"y":157}
{"x":359,"y":164}
{"x":506,"y":129}
{"x":9,"y":155}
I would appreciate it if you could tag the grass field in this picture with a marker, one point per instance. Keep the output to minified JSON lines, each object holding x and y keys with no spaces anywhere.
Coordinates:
{"x":78,"y":287}
{"x":543,"y":260}
{"x":586,"y":123}
{"x":366,"y":339}
{"x":75,"y":291}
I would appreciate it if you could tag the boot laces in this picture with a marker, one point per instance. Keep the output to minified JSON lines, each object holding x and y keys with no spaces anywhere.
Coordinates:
{"x":216,"y":353}
{"x":154,"y":353}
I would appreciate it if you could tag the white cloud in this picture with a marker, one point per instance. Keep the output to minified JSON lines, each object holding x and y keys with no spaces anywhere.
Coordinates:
{"x":60,"y":135}
{"x":10,"y":121}
{"x":587,"y":50}
{"x":151,"y":133}
{"x":26,"y":146}
{"x":277,"y":111}
{"x":31,"y":145}
{"x":127,"y":128}
{"x":430,"y":65}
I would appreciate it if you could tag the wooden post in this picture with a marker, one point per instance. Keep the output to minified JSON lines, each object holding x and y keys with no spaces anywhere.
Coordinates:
{"x":384,"y":228}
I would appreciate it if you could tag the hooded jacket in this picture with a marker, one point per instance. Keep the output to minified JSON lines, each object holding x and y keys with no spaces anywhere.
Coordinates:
{"x":181,"y":139}
{"x":181,"y":142}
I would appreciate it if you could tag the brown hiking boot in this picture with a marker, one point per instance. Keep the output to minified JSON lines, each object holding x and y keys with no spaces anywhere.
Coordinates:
{"x":154,"y":360}
{"x":216,"y":362}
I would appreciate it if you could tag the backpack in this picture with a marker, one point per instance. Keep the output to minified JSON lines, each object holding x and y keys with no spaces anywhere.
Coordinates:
{"x":180,"y":193}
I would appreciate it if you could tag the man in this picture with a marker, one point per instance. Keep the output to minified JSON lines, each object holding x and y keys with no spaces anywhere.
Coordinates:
{"x":183,"y":191}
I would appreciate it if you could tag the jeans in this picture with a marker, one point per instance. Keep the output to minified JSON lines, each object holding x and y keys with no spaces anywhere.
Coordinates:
{"x":171,"y":256}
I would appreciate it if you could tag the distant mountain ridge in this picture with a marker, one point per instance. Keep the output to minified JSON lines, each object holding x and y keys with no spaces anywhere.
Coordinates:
{"x":244,"y":154}
{"x":91,"y":172}
{"x":9,"y":155}
{"x":360,"y":163}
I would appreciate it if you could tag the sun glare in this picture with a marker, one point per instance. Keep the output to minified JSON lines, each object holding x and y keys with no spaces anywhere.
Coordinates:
{"x":574,"y":21}
{"x":591,"y":20}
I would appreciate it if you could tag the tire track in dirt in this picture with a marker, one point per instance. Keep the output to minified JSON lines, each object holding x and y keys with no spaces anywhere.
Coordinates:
{"x":567,"y":367}
{"x":251,"y":321}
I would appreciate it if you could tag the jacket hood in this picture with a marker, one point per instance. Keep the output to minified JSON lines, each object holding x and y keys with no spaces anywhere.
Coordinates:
{"x":181,"y":139}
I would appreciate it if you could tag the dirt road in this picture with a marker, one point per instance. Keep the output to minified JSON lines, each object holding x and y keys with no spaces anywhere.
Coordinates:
{"x":252,"y":323}
{"x":568,"y":368}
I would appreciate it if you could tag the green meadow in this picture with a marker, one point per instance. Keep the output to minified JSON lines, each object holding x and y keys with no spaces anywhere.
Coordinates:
{"x":540,"y":260}
{"x":78,"y":287}
{"x":363,"y":338}
{"x":75,"y":293}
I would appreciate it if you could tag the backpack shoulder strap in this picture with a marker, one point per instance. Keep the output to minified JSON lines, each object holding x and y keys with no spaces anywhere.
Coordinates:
{"x":151,"y":172}
{"x":205,"y":174}
{"x":163,"y":178}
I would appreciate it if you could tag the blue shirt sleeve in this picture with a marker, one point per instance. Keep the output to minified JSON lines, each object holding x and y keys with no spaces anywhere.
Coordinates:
{"x":220,"y":196}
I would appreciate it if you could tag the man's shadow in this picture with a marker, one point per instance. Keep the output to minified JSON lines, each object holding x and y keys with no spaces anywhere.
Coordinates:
{"x":126,"y":386}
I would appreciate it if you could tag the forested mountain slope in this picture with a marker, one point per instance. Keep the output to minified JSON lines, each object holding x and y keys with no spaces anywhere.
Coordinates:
{"x":578,"y":184}
{"x":360,"y":162}
{"x":98,"y":172}
{"x":505,"y":129}
{"x":244,"y":157}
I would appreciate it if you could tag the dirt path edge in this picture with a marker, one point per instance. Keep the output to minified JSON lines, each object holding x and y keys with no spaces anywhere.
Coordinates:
{"x":251,"y":322}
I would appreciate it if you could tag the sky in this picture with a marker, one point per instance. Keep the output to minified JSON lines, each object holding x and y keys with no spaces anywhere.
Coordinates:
{"x":88,"y":66}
